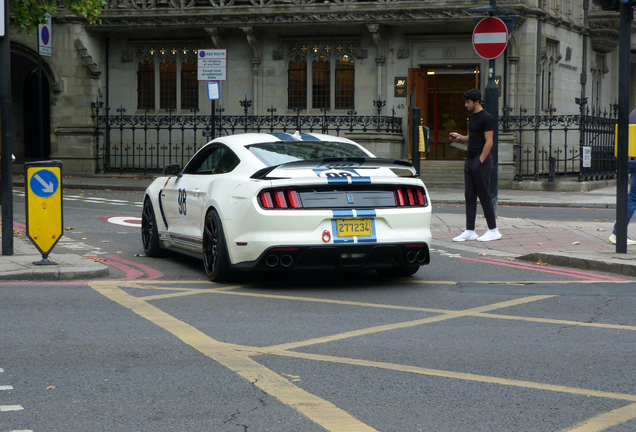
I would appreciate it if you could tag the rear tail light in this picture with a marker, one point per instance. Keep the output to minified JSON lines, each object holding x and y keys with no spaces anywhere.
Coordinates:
{"x":410,"y":196}
{"x":279,"y":199}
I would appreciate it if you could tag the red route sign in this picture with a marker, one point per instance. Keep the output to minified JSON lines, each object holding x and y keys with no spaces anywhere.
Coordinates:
{"x":490,"y":38}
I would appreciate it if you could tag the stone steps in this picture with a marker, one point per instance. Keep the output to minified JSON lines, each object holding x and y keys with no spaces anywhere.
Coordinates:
{"x":442,"y":173}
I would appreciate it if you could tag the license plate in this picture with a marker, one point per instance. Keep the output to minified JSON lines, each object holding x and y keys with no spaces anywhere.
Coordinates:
{"x":353,"y":227}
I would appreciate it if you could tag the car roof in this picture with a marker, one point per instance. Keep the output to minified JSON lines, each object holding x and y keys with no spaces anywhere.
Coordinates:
{"x":256,"y":138}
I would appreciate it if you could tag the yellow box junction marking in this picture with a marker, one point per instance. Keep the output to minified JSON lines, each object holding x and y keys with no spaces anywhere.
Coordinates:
{"x":237,"y":358}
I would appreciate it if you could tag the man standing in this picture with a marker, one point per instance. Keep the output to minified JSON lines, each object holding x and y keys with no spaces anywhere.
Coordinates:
{"x":477,"y":168}
{"x":631,"y":196}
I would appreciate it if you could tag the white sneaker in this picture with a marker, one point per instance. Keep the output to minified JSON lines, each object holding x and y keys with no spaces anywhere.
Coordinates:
{"x":490,"y":235}
{"x":466,"y":235}
{"x":630,"y":242}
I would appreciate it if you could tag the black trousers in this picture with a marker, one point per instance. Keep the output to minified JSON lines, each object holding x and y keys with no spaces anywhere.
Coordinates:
{"x":477,"y":184}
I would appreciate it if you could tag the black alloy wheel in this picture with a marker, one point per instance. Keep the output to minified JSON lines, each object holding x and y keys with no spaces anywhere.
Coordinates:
{"x":149,"y":232}
{"x":215,"y":256}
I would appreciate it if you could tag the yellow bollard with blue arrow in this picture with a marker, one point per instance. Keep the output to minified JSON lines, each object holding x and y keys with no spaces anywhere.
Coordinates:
{"x":43,"y":201}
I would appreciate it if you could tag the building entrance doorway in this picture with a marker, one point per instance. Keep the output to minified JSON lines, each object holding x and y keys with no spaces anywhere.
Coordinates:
{"x":438,"y":92}
{"x":37,"y":138}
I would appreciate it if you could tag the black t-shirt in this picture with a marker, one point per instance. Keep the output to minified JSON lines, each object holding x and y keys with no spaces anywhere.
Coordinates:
{"x":478,"y":124}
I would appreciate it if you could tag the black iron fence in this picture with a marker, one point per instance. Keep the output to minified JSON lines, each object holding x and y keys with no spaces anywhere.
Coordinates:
{"x":547,"y":146}
{"x":148,"y":142}
{"x":551,"y":145}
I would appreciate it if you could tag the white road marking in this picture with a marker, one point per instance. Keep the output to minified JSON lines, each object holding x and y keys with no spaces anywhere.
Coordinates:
{"x":129,"y":221}
{"x":10,"y":408}
{"x":6,"y":387}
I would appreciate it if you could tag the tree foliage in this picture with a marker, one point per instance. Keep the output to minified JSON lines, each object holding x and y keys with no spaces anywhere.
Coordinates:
{"x":27,"y":14}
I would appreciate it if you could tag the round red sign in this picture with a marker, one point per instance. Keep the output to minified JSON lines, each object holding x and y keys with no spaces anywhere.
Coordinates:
{"x":490,"y":38}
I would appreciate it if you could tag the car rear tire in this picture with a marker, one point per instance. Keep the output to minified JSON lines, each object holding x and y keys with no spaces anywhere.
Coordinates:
{"x":215,"y":256}
{"x":149,"y":232}
{"x":398,"y":272}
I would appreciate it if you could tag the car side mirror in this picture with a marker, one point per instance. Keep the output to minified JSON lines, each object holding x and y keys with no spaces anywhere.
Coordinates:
{"x":172,"y":169}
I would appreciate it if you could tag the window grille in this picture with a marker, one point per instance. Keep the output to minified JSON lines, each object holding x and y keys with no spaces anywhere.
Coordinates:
{"x":321,"y":80}
{"x":167,"y":74}
{"x":189,"y":85}
{"x":146,"y":84}
{"x":168,"y":84}
{"x":344,"y":83}
{"x":330,"y":81}
{"x":297,"y":84}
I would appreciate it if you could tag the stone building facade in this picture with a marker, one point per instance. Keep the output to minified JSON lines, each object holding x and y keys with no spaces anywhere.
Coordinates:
{"x":305,"y":57}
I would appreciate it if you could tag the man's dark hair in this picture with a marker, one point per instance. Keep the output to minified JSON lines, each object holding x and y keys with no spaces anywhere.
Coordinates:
{"x":473,"y":95}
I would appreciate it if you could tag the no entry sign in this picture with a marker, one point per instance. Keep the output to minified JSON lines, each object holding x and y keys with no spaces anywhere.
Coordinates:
{"x":490,"y":38}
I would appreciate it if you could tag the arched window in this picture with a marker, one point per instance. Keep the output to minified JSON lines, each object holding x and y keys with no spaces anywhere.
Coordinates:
{"x":329,"y":83}
{"x":146,"y":84}
{"x":169,"y":74}
{"x":189,"y":84}
{"x":345,"y":75}
{"x":168,"y":84}
{"x":321,"y":83}
{"x":297,"y":84}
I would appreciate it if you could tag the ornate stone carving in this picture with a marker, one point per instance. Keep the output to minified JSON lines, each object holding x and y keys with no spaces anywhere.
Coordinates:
{"x":57,"y":87}
{"x":378,"y":38}
{"x":278,"y":12}
{"x":448,"y":52}
{"x":215,"y":35}
{"x":278,"y":54}
{"x":403,"y":52}
{"x":221,"y":3}
{"x":360,"y":53}
{"x":182,"y":4}
{"x":604,"y":31}
{"x":87,"y":59}
{"x":254,"y":43}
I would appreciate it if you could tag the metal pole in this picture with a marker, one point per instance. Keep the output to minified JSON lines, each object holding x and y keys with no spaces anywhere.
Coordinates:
{"x":40,"y":111}
{"x":6,"y":173}
{"x":623,"y":126}
{"x":492,"y":106}
{"x":213,"y":119}
{"x":416,"y":114}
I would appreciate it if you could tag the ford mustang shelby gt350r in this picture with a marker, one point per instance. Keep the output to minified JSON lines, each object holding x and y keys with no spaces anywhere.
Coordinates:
{"x":282,"y":201}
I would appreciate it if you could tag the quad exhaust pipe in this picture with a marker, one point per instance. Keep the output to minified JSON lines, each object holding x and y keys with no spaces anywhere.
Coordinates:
{"x":419,"y":256}
{"x":284,"y":261}
{"x":271,"y":261}
{"x":410,"y":257}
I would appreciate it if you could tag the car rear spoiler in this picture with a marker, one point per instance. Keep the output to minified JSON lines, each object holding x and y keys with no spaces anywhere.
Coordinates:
{"x":339,"y":163}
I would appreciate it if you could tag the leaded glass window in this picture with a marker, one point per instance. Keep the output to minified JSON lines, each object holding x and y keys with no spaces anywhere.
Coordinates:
{"x":146,"y":84}
{"x":297,"y":84}
{"x":345,"y":76}
{"x":189,"y":84}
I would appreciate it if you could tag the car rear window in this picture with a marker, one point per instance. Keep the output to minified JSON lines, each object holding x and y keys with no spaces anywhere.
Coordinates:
{"x":277,"y":153}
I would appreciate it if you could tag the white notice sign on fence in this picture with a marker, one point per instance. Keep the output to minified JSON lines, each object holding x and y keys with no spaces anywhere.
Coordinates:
{"x":587,"y":157}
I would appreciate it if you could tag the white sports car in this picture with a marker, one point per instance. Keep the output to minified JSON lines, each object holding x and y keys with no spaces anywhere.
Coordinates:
{"x":282,"y":201}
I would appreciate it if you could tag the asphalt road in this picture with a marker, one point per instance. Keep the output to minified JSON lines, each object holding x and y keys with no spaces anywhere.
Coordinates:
{"x":471,"y":343}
